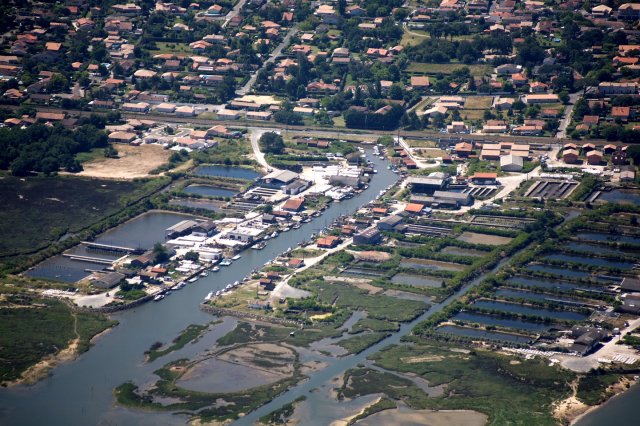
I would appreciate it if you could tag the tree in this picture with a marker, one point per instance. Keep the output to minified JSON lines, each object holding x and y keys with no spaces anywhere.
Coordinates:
{"x":272,"y":143}
{"x":160,"y":252}
{"x":192,"y":256}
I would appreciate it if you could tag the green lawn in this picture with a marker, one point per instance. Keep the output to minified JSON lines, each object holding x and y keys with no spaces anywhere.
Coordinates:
{"x":478,"y":70}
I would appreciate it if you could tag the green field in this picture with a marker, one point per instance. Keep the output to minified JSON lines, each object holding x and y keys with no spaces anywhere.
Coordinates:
{"x":38,"y":211}
{"x":509,"y":392}
{"x":477,"y":70}
{"x":31,"y":329}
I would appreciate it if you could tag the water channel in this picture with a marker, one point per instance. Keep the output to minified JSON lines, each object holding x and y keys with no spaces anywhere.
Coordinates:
{"x":80,"y":392}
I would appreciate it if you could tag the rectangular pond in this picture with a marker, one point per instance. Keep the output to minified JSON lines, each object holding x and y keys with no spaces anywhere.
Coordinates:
{"x":503,"y":322}
{"x":593,"y":248}
{"x":209,"y":191}
{"x":622,"y":196}
{"x":227,"y":171}
{"x":431,"y":264}
{"x":599,"y":236}
{"x":542,"y":297}
{"x":594,"y":261}
{"x":549,"y":284}
{"x":417,"y":280}
{"x":483,"y":334}
{"x":557,"y":270}
{"x":529,"y":310}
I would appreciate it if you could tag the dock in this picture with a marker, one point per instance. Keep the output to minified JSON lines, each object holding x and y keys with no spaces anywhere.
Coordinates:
{"x":88,"y":259}
{"x":110,"y":247}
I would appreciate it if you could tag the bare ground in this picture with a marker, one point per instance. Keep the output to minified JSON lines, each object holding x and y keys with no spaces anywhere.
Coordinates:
{"x":132,"y":162}
{"x":425,"y":417}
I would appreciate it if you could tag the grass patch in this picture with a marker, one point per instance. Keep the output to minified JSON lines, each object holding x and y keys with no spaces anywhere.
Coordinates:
{"x":375,"y":325}
{"x":70,"y":203}
{"x":477,"y":70}
{"x":592,"y":389}
{"x":377,"y":306}
{"x":357,"y":344}
{"x":481,"y":380}
{"x":478,"y":102}
{"x":31,"y":329}
{"x":282,"y":414}
{"x":189,"y":334}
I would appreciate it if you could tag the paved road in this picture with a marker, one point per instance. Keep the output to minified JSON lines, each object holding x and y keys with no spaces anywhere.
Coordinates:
{"x":234,"y":12}
{"x":272,"y":57}
{"x":566,"y":119}
{"x":255,"y":139}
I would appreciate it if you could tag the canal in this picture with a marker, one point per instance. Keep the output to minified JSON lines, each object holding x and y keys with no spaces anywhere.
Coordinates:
{"x":81,"y":392}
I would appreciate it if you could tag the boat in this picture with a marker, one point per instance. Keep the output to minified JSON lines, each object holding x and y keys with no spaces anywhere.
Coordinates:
{"x":192,"y":280}
{"x":296,"y":226}
{"x":215,"y":269}
{"x":267,"y":237}
{"x":259,"y":246}
{"x":236,"y":284}
{"x":228,"y":287}
{"x":204,"y":274}
{"x":275,"y":234}
{"x":286,"y":229}
{"x":306,"y":220}
{"x":218,"y":293}
{"x":208,"y":297}
{"x":158,"y":297}
{"x":236,"y":257}
{"x":181,"y":284}
{"x":375,"y":171}
{"x":225,"y":262}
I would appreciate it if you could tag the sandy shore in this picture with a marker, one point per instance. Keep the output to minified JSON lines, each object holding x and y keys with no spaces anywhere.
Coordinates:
{"x":425,"y":417}
{"x":41,"y":370}
{"x":613,"y":390}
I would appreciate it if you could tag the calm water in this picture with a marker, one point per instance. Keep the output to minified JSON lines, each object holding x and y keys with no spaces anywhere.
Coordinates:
{"x":141,"y":232}
{"x":528,"y":295}
{"x":209,"y":191}
{"x":556,"y":270}
{"x":619,"y":411}
{"x":590,"y":261}
{"x":417,"y":280}
{"x":494,"y":320}
{"x":483,"y":334}
{"x":552,"y":285}
{"x":363,"y":271}
{"x":593,"y":248}
{"x":527,"y":310}
{"x":227,"y":171}
{"x":118,"y":356}
{"x":598,"y":236}
{"x":622,"y":196}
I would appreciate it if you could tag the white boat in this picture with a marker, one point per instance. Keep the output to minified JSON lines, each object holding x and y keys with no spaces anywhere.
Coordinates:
{"x":375,"y":171}
{"x":259,"y":246}
{"x":208,"y":297}
{"x":218,"y":293}
{"x":204,"y":274}
{"x":181,"y":284}
{"x":236,"y":257}
{"x":275,"y":234}
{"x":192,"y":280}
{"x":158,"y":297}
{"x":287,"y":229}
{"x":215,"y":269}
{"x":228,"y":287}
{"x":296,"y":226}
{"x":267,"y":237}
{"x":236,"y":284}
{"x":225,"y":262}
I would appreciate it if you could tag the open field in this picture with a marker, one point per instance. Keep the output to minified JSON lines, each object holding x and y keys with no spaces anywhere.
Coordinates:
{"x":175,"y":48}
{"x":132,"y":162}
{"x":70,"y":204}
{"x":478,"y":102}
{"x":427,"y":68}
{"x":31,"y":329}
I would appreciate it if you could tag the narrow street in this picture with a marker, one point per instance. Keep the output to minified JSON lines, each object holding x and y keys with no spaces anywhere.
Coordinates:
{"x":272,"y":57}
